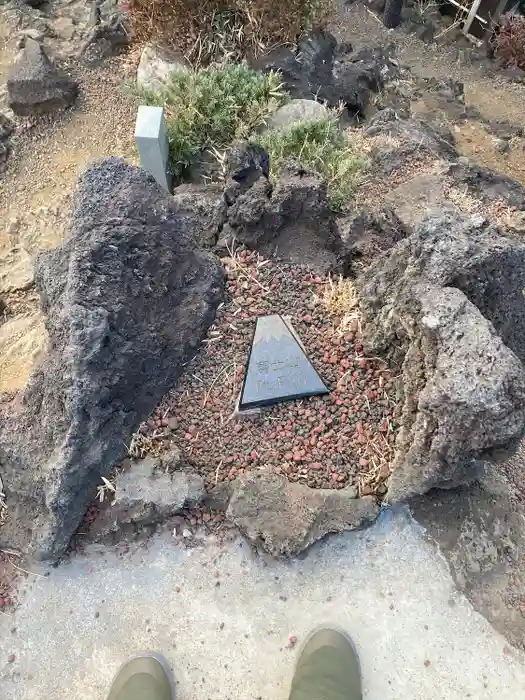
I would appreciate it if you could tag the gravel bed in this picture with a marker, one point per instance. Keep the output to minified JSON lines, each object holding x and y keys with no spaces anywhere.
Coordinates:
{"x":340,"y":440}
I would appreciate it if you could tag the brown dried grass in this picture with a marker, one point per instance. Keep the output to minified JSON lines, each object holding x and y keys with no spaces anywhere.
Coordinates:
{"x":210,"y":30}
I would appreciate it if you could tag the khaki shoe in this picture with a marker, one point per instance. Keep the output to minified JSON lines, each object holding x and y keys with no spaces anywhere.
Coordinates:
{"x":327,"y":669}
{"x":143,"y":678}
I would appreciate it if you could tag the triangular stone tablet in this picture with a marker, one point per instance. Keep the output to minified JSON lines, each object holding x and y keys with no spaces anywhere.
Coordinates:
{"x":278,"y":368}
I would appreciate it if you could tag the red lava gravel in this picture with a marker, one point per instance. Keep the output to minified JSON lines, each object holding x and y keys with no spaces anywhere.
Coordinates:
{"x":342,"y":439}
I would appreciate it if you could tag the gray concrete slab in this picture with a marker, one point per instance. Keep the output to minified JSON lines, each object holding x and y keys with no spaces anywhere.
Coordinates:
{"x":223,"y":616}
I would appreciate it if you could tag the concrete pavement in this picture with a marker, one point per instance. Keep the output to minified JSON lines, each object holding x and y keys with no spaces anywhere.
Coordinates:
{"x":223,"y":616}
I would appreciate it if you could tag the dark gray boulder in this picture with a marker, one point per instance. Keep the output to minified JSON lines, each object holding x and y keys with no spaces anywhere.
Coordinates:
{"x":449,"y":300}
{"x":486,"y":184}
{"x":413,"y":138}
{"x":35,"y":86}
{"x":105,"y":40}
{"x":203,"y":211}
{"x":291,"y":218}
{"x":367,"y":234}
{"x":128,"y":298}
{"x":319,"y":68}
{"x":285,"y":518}
{"x":307,"y":69}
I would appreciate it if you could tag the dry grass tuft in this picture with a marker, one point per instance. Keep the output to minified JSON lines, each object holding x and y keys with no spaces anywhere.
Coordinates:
{"x":380,"y":454}
{"x":152,"y":445}
{"x":105,"y":490}
{"x":211,"y":30}
{"x":342,"y":302}
{"x":463,"y":200}
{"x":339,"y":297}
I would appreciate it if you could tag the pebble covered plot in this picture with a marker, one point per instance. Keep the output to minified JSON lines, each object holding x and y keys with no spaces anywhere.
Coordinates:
{"x":342,"y":439}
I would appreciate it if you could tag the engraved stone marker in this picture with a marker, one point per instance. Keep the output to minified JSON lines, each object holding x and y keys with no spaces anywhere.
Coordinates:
{"x":151,"y":137}
{"x":278,"y":368}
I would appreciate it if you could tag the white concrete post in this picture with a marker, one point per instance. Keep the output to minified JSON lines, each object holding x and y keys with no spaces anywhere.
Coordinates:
{"x":151,"y":137}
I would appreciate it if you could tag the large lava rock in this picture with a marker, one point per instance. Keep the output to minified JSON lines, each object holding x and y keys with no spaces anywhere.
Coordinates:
{"x":290,"y":218}
{"x":319,"y":68}
{"x":35,"y":86}
{"x":450,"y":299}
{"x":128,"y":298}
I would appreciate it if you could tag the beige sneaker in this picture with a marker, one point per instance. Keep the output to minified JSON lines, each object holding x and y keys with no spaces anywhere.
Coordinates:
{"x":146,"y":677}
{"x":327,"y":669}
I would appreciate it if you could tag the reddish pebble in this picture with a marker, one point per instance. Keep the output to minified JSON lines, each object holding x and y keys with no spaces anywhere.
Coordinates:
{"x":292,"y":641}
{"x":427,"y":662}
{"x":188,"y":436}
{"x":11,"y":658}
{"x":297,"y":457}
{"x":335,"y":476}
{"x":363,"y":462}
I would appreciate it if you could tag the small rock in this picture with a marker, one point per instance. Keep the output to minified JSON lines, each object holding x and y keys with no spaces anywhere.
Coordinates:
{"x":155,"y":68}
{"x":287,"y":517}
{"x":501,"y":145}
{"x":146,"y":493}
{"x":296,"y":111}
{"x":11,"y":658}
{"x":187,"y":534}
{"x":16,"y":270}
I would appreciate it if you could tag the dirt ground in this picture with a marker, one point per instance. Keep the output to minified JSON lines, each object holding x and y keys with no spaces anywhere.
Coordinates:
{"x":36,"y":194}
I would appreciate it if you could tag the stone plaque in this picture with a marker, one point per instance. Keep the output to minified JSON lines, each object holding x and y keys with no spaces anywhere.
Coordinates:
{"x":278,"y":368}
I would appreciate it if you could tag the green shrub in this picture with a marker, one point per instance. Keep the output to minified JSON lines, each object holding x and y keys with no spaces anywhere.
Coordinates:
{"x":211,"y":107}
{"x":318,"y":145}
{"x":205,"y":30}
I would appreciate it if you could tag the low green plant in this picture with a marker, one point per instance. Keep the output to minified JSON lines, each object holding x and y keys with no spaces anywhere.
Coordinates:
{"x":211,"y":107}
{"x":318,"y":145}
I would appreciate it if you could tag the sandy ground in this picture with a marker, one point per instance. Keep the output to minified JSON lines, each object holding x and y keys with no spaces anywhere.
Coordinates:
{"x":223,"y":616}
{"x":36,"y":194}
